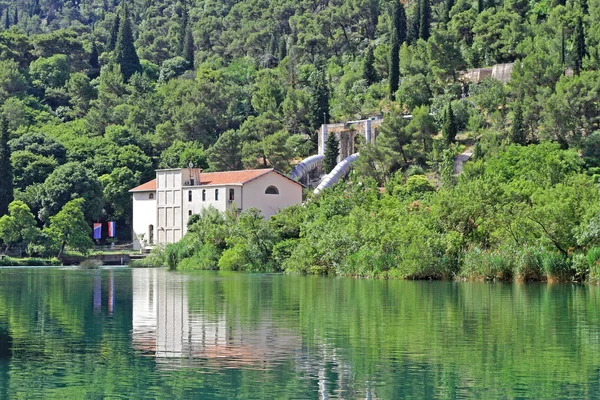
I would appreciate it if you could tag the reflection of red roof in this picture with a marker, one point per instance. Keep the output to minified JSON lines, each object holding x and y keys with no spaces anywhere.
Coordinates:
{"x":146,"y":187}
{"x":219,"y":178}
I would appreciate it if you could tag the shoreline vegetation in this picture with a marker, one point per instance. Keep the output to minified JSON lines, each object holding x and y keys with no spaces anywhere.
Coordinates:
{"x":528,"y":213}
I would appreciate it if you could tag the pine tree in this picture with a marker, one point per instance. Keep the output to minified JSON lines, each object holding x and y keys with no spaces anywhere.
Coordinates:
{"x":517,"y":130}
{"x":425,"y":20}
{"x":125,"y":54}
{"x":6,"y":173}
{"x":332,"y":152}
{"x":448,"y":4}
{"x":580,"y":51}
{"x":114,"y":32}
{"x":369,"y":73}
{"x":188,"y":47}
{"x":398,"y":36}
{"x":320,"y":100}
{"x":449,"y":129}
{"x":415,"y":23}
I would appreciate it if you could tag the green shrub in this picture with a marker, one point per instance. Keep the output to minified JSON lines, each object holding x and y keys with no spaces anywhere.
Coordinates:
{"x":175,"y":252}
{"x":557,"y":267}
{"x":593,"y":261}
{"x":283,"y":251}
{"x":488,"y":265}
{"x":234,"y":259}
{"x":529,"y":264}
{"x":206,"y":258}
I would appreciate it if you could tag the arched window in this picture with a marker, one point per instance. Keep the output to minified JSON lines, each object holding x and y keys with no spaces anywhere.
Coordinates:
{"x":190,"y":213}
{"x":203,"y":194}
{"x":216,"y":194}
{"x":151,"y":196}
{"x":272,"y":190}
{"x":231,"y":194}
{"x":189,"y":195}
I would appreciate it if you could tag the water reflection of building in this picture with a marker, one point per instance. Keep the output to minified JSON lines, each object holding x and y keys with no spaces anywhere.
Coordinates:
{"x":165,"y":327}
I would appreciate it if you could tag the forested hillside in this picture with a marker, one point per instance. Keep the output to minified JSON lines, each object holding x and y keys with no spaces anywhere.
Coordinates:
{"x":98,"y":93}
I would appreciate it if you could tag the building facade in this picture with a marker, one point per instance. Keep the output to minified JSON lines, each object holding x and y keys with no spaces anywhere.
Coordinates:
{"x":162,"y":207}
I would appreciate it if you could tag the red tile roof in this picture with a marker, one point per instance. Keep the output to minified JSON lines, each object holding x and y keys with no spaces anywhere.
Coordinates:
{"x":218,"y":178}
{"x":146,"y":187}
{"x":232,"y":177}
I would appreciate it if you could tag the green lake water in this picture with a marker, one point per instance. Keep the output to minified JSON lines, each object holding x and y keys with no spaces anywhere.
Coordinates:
{"x":120,"y":333}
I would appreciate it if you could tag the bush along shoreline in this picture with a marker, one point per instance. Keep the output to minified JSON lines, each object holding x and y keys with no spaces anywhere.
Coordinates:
{"x":527,"y":213}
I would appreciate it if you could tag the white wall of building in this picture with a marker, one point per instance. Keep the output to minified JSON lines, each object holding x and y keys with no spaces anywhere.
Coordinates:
{"x":254,"y":196}
{"x":144,"y":218}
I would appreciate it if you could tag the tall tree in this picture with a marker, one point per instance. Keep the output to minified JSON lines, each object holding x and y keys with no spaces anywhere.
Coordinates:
{"x":332,"y":152}
{"x":448,"y":4}
{"x":6,"y":19}
{"x":94,"y":62}
{"x":125,"y":53}
{"x":415,"y":23}
{"x":398,"y":36}
{"x":480,"y":6}
{"x":517,"y":129}
{"x":369,"y":73}
{"x":183,"y":26}
{"x":320,"y":100}
{"x":449,"y":129}
{"x":425,"y":14}
{"x":114,"y":32}
{"x":16,"y":17}
{"x":580,"y":51}
{"x":188,"y":47}
{"x":6,"y":173}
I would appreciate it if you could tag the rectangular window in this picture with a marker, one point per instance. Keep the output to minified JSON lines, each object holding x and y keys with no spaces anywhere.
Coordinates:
{"x":216,"y":194}
{"x":231,"y":194}
{"x":192,"y":182}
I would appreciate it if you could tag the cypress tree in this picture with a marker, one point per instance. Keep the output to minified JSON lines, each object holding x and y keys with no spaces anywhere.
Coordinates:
{"x":94,"y":63}
{"x":282,"y":49}
{"x":448,"y":4}
{"x":16,"y":17}
{"x":425,"y":20}
{"x":125,"y":54}
{"x":449,"y":129}
{"x":183,"y":26}
{"x":188,"y":47}
{"x":415,"y":23}
{"x":517,"y":130}
{"x":480,"y":6}
{"x":6,"y":173}
{"x":114,"y":32}
{"x":580,"y":51}
{"x":369,"y":73}
{"x":332,"y":151}
{"x":320,"y":101}
{"x":6,"y":20}
{"x":562,"y":46}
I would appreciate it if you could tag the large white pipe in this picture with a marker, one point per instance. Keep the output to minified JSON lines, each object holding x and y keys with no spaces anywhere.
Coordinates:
{"x":340,"y":171}
{"x":307,"y":165}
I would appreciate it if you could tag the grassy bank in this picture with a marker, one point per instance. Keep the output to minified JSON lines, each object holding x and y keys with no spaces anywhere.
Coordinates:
{"x":6,"y":261}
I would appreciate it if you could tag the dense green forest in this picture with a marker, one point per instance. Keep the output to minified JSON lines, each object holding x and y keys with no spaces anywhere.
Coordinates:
{"x":95,"y":94}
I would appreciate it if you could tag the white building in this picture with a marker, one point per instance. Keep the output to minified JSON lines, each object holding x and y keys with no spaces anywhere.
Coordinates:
{"x":162,"y":207}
